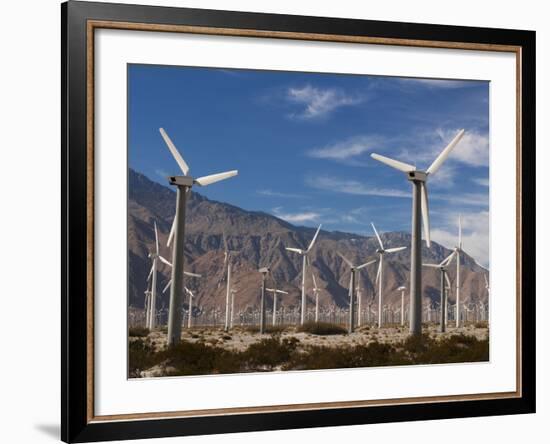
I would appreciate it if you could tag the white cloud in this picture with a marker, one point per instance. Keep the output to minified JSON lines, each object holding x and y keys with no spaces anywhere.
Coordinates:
{"x":345,"y":150}
{"x":473,"y":199}
{"x":319,"y":102}
{"x":306,"y":216}
{"x":483,"y":181}
{"x":473,"y":148}
{"x":352,"y":187}
{"x":271,"y":193}
{"x":475,"y":234}
{"x":440,"y":83}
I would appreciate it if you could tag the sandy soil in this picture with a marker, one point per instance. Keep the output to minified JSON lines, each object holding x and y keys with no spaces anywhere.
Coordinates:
{"x":240,"y":339}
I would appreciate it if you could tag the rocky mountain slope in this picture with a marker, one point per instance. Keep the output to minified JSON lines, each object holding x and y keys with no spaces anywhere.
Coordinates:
{"x":260,"y":240}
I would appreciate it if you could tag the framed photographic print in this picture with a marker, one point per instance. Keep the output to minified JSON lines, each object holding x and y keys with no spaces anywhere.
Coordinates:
{"x":276,"y":221}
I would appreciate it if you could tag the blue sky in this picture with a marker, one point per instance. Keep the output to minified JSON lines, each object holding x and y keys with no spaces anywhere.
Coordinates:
{"x":302,"y":144}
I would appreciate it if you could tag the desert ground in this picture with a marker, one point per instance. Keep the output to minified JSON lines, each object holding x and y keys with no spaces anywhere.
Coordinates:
{"x":211,"y":350}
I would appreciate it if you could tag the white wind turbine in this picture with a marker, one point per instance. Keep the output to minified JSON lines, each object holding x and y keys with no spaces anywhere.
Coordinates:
{"x":418,"y":179}
{"x":183,"y":183}
{"x":304,"y":254}
{"x":191,"y":296}
{"x":316,"y":294}
{"x":233,"y":291}
{"x":275,"y":292}
{"x":402,"y":290}
{"x":458,"y":250}
{"x":353,"y":269}
{"x":227,"y":261}
{"x":442,"y":267}
{"x":379,"y":274}
{"x":155,"y":257}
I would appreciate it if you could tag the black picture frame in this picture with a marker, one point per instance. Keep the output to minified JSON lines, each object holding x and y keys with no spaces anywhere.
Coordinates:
{"x":76,"y":423}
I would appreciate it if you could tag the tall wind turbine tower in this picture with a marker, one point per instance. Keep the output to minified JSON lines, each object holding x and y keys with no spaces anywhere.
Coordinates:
{"x":275,"y":292}
{"x":183,"y":184}
{"x":442,"y":267}
{"x":418,"y":180}
{"x":227,"y":261}
{"x":458,"y":250}
{"x":304,"y":254}
{"x":353,"y":269}
{"x":381,"y":252}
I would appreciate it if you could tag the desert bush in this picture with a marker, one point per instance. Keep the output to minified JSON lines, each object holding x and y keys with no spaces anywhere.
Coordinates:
{"x":138,"y":332}
{"x":141,"y":356}
{"x":269,"y":353}
{"x":322,"y":328}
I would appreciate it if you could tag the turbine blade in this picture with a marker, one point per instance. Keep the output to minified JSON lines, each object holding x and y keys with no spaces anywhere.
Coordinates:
{"x":378,"y":272}
{"x":377,"y":236}
{"x":213,"y":178}
{"x":150,"y":274}
{"x":167,"y":286}
{"x":183,"y":166}
{"x":345,"y":259}
{"x":195,"y":275}
{"x":314,"y":237}
{"x":165,"y":261}
{"x":445,"y":153}
{"x":314,"y":282}
{"x":365,"y":264}
{"x":448,"y":280}
{"x":281,"y":291}
{"x":401,"y":166}
{"x":486,"y":281}
{"x":295,"y":250}
{"x":431,"y":265}
{"x":172,"y":230}
{"x":425,"y":212}
{"x":447,"y":260}
{"x":395,"y":250}
{"x":156,"y":237}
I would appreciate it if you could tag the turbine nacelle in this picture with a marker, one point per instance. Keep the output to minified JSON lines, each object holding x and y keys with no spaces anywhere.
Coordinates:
{"x":417,"y":176}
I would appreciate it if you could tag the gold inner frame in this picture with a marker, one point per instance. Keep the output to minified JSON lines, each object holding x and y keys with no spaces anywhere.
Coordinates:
{"x":92,"y":25}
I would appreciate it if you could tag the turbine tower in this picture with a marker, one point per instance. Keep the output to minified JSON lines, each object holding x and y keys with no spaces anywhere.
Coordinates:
{"x":191,"y":295}
{"x":304,"y":254}
{"x":419,"y":208}
{"x":227,"y":261}
{"x":155,"y":256}
{"x":316,"y":293}
{"x":442,"y":267}
{"x":381,"y":252}
{"x":183,"y":183}
{"x":275,"y":291}
{"x":264,"y":271}
{"x":458,"y":250}
{"x":402,"y":290}
{"x":353,"y":269}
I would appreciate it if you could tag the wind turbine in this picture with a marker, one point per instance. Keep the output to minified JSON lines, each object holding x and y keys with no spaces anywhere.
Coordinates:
{"x":264,"y":271}
{"x":155,"y":256}
{"x":316,"y":293}
{"x":183,"y":183}
{"x":227,"y":261}
{"x":487,"y":286}
{"x":442,"y":267}
{"x":381,"y":252}
{"x":233,"y":291}
{"x":191,"y":295}
{"x":458,"y":250}
{"x":275,"y":291}
{"x":353,"y":269}
{"x":304,"y":253}
{"x":402,"y":290}
{"x":419,"y":207}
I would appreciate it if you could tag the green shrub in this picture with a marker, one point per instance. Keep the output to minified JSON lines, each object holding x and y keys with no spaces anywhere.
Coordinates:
{"x":138,"y":332}
{"x":322,"y":328}
{"x":141,"y":356}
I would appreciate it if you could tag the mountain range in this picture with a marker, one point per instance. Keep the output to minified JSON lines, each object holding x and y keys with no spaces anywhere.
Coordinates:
{"x":259,"y":239}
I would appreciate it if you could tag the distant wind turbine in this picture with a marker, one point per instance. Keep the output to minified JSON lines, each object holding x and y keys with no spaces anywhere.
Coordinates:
{"x":353,"y":269}
{"x":316,"y":293}
{"x":304,"y":254}
{"x":264,"y":271}
{"x":155,"y":256}
{"x":275,"y":292}
{"x":418,"y":179}
{"x":442,"y":267}
{"x":381,"y":252}
{"x":227,"y":261}
{"x":183,"y":183}
{"x":458,"y":250}
{"x":402,"y":290}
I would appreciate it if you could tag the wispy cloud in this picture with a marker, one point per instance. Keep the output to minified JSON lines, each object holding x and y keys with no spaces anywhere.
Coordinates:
{"x":271,"y":193}
{"x":352,"y":187}
{"x":319,"y":102}
{"x":475,"y":234}
{"x":473,"y":148}
{"x":472,"y":199}
{"x":345,"y":151}
{"x":300,"y":217}
{"x":482,"y":181}
{"x":439,"y":83}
